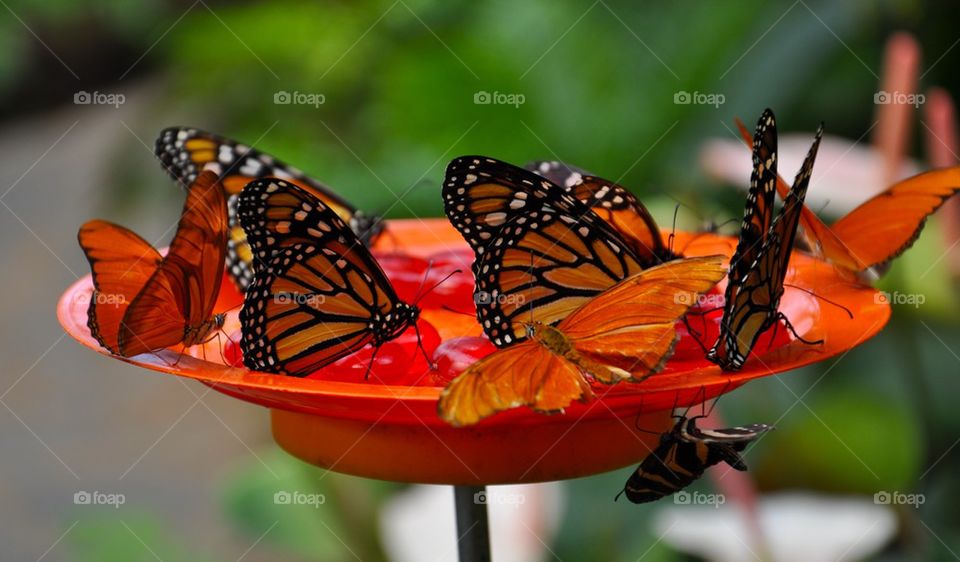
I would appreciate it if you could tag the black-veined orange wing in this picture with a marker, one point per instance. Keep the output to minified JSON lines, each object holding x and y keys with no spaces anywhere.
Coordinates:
{"x":540,"y":253}
{"x":121,"y":262}
{"x":320,"y":294}
{"x":614,"y":204}
{"x":176,"y":304}
{"x":185,"y":151}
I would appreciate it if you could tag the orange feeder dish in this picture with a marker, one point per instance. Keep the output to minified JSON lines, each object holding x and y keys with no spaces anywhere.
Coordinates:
{"x":393,"y":432}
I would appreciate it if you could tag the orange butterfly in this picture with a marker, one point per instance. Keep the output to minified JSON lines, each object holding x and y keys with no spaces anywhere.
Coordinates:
{"x":143,"y":301}
{"x":625,"y":333}
{"x":880,"y":229}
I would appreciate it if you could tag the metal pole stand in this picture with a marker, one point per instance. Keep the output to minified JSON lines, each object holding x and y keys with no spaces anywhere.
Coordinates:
{"x":473,"y":529}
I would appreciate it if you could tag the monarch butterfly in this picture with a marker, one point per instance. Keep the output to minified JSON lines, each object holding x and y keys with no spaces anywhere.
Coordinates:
{"x":320,"y":295}
{"x":143,"y":302}
{"x":880,"y":229}
{"x":625,"y":332}
{"x":540,"y":252}
{"x":614,"y":204}
{"x":183,"y":151}
{"x":759,"y":264}
{"x":684,"y":453}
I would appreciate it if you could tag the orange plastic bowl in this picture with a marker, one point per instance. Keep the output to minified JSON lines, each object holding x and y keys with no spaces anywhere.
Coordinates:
{"x":393,"y":432}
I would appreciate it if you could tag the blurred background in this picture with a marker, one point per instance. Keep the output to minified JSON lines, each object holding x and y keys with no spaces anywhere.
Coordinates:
{"x":374,"y":97}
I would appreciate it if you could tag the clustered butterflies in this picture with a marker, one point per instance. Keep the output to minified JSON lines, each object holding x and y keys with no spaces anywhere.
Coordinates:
{"x":574,"y":283}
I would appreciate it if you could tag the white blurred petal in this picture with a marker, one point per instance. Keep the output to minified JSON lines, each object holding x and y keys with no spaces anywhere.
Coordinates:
{"x":419,"y":524}
{"x":845,"y":175}
{"x":796,"y":527}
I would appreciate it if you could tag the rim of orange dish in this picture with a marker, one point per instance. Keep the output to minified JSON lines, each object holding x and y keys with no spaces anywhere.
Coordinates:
{"x":678,"y":385}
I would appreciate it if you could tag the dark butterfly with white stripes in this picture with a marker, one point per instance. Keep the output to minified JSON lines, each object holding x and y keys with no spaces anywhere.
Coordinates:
{"x":684,"y":453}
{"x":614,"y":204}
{"x":759,"y":264}
{"x":184,"y":151}
{"x":319,"y":294}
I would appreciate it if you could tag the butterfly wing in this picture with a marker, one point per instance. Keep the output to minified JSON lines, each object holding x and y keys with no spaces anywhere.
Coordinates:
{"x":753,"y":296}
{"x":888,"y":224}
{"x":632,"y":326}
{"x":560,"y":173}
{"x":321,"y":294}
{"x":758,"y":213}
{"x":540,"y":253}
{"x":524,"y":374}
{"x":671,"y":467}
{"x":614,"y":204}
{"x":184,"y":151}
{"x":121,"y":263}
{"x":179,"y":297}
{"x":883,"y":227}
{"x":731,"y":435}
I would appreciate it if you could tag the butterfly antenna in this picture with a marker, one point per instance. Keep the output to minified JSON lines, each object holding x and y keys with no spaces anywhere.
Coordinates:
{"x":824,"y":299}
{"x":426,"y":275}
{"x":437,"y":284}
{"x":449,"y":309}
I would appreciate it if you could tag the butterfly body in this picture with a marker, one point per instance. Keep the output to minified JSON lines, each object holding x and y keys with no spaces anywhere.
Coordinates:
{"x":560,"y":345}
{"x":625,"y":332}
{"x":194,"y":335}
{"x":684,"y":453}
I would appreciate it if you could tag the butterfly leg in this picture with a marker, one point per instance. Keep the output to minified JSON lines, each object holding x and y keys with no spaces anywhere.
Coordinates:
{"x":786,"y":322}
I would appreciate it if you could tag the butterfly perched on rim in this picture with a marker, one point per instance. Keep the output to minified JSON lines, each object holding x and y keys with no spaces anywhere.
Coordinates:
{"x":539,"y":252}
{"x":183,"y":151}
{"x":759,"y":264}
{"x":320,"y":294}
{"x":684,"y":453}
{"x":614,"y":204}
{"x":624,"y":333}
{"x":880,"y":229}
{"x":144,"y":302}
